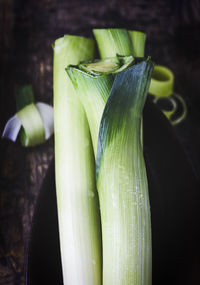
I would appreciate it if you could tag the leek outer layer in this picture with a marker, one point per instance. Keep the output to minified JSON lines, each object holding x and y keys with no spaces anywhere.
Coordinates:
{"x":138,"y":40}
{"x":113,"y":41}
{"x":88,"y":86}
{"x":122,"y":182}
{"x":119,"y":41}
{"x":79,"y":224}
{"x":93,"y":91}
{"x":33,"y":127}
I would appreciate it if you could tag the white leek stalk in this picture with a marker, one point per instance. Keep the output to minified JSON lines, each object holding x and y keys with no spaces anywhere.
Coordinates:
{"x":121,"y":175}
{"x":78,"y":211}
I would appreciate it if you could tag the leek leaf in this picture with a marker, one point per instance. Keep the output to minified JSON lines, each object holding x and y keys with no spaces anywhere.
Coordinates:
{"x":138,"y":40}
{"x":162,"y":88}
{"x":113,"y":41}
{"x":77,"y":200}
{"x":34,"y":122}
{"x":122,"y":182}
{"x":93,"y":90}
{"x":162,"y":82}
{"x":99,"y":67}
{"x":87,"y":84}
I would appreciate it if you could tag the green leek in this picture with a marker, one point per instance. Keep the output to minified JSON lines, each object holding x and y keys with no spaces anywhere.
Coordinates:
{"x":113,"y":41}
{"x":119,"y":41}
{"x":88,"y":82}
{"x":34,"y":132}
{"x":33,"y":122}
{"x":162,"y":88}
{"x":121,"y":181}
{"x":138,"y":40}
{"x":78,"y":212}
{"x":162,"y":82}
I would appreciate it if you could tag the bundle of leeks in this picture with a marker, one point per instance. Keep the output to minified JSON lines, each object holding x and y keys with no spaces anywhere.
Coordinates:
{"x":98,"y":111}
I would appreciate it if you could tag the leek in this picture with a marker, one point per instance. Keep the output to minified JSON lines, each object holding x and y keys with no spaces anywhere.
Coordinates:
{"x":138,"y":40}
{"x":113,"y":41}
{"x":34,"y":132}
{"x":121,"y":181}
{"x":119,"y":41}
{"x":33,"y":121}
{"x":95,"y":79}
{"x":162,"y":82}
{"x":162,"y":88}
{"x":78,"y":214}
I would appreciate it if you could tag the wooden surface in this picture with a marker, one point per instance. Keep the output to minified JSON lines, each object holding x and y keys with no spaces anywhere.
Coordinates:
{"x":27,"y":30}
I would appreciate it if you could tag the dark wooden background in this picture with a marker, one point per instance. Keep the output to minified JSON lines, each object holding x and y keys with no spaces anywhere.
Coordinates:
{"x":27,"y":30}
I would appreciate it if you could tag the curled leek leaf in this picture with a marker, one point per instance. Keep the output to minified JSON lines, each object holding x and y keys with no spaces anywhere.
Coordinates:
{"x":121,"y":181}
{"x":77,"y":198}
{"x":35,"y":121}
{"x":162,"y":81}
{"x":171,"y":109}
{"x":178,"y":98}
{"x":33,"y":126}
{"x":162,"y":88}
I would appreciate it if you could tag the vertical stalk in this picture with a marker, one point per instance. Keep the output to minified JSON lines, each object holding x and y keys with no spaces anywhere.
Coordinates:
{"x":78,"y":211}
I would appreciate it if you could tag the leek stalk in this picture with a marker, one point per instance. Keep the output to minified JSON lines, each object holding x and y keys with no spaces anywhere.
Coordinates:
{"x":94,"y":78}
{"x":78,"y":211}
{"x":138,"y":40}
{"x":113,"y":41}
{"x":121,"y":181}
{"x":120,"y":41}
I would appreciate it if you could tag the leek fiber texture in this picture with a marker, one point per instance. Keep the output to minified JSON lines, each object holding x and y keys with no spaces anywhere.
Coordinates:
{"x":112,"y":92}
{"x":33,"y":129}
{"x":88,"y":82}
{"x":138,"y":40}
{"x":121,"y":175}
{"x":88,"y":86}
{"x":113,"y":41}
{"x":122,"y":182}
{"x":78,"y":210}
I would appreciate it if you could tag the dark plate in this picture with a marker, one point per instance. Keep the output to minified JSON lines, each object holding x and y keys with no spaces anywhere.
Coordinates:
{"x":174,"y":198}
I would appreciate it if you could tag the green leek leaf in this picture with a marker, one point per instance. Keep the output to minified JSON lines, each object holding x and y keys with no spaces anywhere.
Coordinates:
{"x":138,"y":40}
{"x":122,"y":182}
{"x":34,"y":122}
{"x":87,"y":84}
{"x":162,"y":82}
{"x":162,"y":88}
{"x":113,"y":41}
